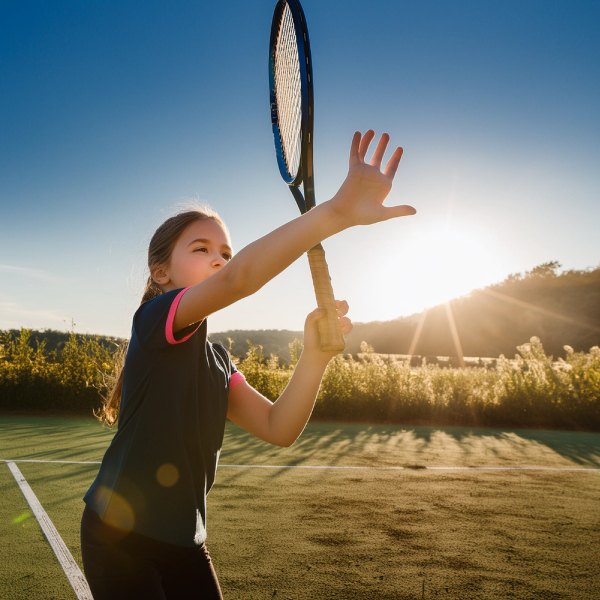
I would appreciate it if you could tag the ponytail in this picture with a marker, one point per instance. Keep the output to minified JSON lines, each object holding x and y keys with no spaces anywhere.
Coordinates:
{"x":109,"y":413}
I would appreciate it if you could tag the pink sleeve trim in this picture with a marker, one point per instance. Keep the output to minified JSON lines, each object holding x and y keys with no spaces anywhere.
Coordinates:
{"x":171,"y":318}
{"x":236,"y":378}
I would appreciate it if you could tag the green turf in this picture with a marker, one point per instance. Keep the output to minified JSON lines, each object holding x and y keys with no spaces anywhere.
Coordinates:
{"x":345,"y":534}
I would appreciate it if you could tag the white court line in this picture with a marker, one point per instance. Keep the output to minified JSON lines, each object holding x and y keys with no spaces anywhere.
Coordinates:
{"x":70,"y":567}
{"x":415,"y":468}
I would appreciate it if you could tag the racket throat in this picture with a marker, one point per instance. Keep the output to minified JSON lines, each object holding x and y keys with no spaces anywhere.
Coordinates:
{"x":298,"y":198}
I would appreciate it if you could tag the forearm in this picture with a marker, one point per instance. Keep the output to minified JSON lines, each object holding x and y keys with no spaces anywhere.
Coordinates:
{"x":262,"y":260}
{"x":290,"y":412}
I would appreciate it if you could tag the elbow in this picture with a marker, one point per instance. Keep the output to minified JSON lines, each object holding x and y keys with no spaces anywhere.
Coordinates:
{"x":279,"y":441}
{"x":241,"y":281}
{"x":276,"y":434}
{"x":238,"y":281}
{"x":285,"y":443}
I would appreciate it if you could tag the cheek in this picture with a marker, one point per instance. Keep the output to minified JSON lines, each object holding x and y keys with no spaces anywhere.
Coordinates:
{"x":184,"y":264}
{"x":196,"y":262}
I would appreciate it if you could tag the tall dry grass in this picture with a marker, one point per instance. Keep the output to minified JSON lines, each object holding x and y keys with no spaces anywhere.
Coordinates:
{"x":531,"y":390}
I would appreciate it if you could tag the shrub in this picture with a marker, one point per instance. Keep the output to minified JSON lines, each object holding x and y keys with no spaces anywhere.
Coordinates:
{"x":531,"y":390}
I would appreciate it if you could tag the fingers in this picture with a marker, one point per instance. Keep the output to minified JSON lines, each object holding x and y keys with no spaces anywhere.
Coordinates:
{"x":316,"y":314}
{"x":360,"y":146}
{"x":346,"y":325}
{"x":364,"y":144}
{"x":342,"y":307}
{"x":354,"y":147}
{"x":399,"y":211}
{"x":380,"y":151}
{"x":392,"y":166}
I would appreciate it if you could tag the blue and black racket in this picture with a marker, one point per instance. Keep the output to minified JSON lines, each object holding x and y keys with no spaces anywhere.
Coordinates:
{"x":292,"y":115}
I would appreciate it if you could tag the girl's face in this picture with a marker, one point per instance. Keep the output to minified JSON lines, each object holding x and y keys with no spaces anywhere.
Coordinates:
{"x":201,"y":250}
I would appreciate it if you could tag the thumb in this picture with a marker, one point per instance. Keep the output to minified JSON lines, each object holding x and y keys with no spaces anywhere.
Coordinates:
{"x":317,"y":314}
{"x":403,"y":210}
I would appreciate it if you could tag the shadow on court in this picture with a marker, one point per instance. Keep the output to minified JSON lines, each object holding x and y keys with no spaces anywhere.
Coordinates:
{"x":330,"y":444}
{"x":324,"y":444}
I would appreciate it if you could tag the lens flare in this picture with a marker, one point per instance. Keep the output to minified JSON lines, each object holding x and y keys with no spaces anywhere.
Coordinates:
{"x":167,"y":475}
{"x":22,"y":517}
{"x":119,"y":512}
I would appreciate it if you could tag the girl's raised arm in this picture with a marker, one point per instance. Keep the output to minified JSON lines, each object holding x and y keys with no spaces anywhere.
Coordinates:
{"x":359,"y":201}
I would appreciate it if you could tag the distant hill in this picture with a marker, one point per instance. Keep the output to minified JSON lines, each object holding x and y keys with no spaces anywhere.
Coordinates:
{"x":561,"y":309}
{"x":55,"y":340}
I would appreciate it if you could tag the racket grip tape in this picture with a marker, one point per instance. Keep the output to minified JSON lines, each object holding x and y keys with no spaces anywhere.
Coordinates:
{"x":331,"y":335}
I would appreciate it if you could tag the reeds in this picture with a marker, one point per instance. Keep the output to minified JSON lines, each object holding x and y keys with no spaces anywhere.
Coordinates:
{"x":531,"y":390}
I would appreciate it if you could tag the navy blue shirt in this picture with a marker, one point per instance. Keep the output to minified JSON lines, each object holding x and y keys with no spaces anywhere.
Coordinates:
{"x":161,"y":463}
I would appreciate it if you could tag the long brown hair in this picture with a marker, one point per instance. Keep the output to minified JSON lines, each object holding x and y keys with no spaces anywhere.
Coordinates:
{"x":159,"y":254}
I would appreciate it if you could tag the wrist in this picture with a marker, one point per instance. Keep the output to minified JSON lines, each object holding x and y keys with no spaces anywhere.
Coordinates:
{"x":338,"y":219}
{"x":313,"y":359}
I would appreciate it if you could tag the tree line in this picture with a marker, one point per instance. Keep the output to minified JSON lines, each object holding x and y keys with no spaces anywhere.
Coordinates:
{"x":558,"y":308}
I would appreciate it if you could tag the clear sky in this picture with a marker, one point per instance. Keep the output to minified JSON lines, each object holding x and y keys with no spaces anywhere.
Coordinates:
{"x":112,"y":113}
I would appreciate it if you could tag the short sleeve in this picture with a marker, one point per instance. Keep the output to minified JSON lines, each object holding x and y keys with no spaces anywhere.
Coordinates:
{"x":153,"y":322}
{"x":235,"y":376}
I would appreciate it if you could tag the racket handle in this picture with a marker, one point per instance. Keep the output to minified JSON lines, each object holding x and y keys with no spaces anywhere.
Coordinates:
{"x":329,"y":326}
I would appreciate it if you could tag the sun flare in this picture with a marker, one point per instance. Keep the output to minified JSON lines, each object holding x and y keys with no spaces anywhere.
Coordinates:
{"x":431,"y":268}
{"x":451,"y":263}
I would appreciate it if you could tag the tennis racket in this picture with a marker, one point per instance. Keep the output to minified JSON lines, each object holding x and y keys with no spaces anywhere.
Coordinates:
{"x":292,"y":115}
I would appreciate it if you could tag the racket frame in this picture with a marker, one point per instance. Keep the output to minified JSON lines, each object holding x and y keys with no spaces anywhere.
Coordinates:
{"x":305,"y":170}
{"x":329,"y":329}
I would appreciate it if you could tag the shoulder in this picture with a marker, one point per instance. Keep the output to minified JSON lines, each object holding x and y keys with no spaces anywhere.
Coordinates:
{"x":159,"y":303}
{"x":153,"y":322}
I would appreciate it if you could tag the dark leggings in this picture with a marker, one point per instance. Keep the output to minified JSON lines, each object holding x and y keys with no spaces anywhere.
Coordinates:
{"x":124,"y":566}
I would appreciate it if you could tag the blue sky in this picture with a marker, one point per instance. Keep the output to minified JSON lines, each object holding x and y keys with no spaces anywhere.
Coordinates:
{"x":113,"y":113}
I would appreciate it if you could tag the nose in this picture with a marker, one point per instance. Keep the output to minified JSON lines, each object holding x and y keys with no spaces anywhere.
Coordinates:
{"x":218,"y":261}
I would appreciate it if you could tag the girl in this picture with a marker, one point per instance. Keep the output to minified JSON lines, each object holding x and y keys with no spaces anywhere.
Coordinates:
{"x":143,"y":529}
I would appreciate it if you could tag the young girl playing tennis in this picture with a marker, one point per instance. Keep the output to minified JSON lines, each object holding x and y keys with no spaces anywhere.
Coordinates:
{"x":143,"y":529}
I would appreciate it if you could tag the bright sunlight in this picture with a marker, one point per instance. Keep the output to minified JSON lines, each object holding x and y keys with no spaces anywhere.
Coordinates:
{"x":429,"y":269}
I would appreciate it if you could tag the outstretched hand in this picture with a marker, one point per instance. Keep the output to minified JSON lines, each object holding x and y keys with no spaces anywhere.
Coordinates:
{"x":359,"y":201}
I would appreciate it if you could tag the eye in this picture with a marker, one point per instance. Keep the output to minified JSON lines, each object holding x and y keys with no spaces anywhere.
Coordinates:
{"x":201,"y":248}
{"x":226,"y":256}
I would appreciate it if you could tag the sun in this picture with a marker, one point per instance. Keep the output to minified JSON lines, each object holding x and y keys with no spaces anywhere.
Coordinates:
{"x":402,"y":275}
{"x":430,"y":267}
{"x":451,"y":263}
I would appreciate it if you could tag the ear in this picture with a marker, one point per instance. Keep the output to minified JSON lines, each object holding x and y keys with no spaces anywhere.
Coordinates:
{"x":160,"y":275}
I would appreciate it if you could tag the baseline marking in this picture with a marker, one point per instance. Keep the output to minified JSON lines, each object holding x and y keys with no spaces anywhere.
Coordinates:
{"x":409,"y":468}
{"x":70,"y":567}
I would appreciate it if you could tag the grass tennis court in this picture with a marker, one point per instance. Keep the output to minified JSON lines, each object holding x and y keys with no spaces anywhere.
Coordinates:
{"x":278,"y":533}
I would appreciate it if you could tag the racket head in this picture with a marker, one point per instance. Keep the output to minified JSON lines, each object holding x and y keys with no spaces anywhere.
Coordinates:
{"x":291,"y":97}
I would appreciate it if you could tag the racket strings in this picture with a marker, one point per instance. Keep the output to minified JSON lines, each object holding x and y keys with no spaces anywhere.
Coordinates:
{"x":288,"y":91}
